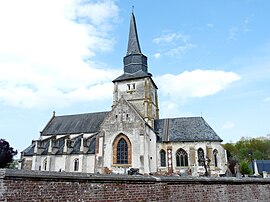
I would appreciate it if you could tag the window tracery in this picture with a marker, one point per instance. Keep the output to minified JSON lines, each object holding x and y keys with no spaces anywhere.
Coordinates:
{"x":181,"y":158}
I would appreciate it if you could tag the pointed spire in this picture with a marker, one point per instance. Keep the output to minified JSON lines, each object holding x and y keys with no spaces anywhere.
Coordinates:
{"x":133,"y":40}
{"x":134,"y":61}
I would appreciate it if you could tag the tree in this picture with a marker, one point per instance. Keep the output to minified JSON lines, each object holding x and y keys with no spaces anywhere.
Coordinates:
{"x":244,"y":168}
{"x":247,"y":149}
{"x":6,"y":153}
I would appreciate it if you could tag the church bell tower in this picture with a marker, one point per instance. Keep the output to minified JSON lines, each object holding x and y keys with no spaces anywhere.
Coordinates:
{"x":136,"y":84}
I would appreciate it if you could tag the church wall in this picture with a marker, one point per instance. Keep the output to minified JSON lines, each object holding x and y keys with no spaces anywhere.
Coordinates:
{"x":90,"y":163}
{"x":59,"y":163}
{"x":22,"y":185}
{"x":124,"y":120}
{"x":191,"y":148}
{"x":26,"y":162}
{"x":133,"y":136}
{"x":152,"y":150}
{"x":143,"y":97}
{"x":129,"y":93}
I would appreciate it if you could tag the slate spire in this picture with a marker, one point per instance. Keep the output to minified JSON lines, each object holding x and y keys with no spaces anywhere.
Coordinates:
{"x":133,"y":40}
{"x":134,"y":61}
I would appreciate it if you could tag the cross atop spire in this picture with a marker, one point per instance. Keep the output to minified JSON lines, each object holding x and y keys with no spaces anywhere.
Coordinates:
{"x":133,"y":40}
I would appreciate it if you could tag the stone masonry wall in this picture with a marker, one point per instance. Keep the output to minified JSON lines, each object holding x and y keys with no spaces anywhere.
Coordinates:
{"x":19,"y":185}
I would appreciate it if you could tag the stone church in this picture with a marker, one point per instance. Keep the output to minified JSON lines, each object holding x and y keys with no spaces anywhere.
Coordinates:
{"x":131,"y":135}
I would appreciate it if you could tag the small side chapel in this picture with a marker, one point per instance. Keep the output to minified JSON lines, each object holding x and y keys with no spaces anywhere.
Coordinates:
{"x":131,"y":135}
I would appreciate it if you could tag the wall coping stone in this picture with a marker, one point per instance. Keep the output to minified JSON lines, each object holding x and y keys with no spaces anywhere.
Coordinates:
{"x":91,"y":177}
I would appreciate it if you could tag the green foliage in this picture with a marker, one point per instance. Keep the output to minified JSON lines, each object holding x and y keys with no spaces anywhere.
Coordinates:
{"x":247,"y":149}
{"x":13,"y":164}
{"x":244,"y":168}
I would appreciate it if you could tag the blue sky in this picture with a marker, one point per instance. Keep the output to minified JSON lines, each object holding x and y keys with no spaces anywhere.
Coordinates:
{"x":209,"y":58}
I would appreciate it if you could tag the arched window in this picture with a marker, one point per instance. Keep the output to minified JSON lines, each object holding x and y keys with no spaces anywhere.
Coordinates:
{"x":201,"y":159}
{"x":181,"y":158}
{"x":45,"y":164}
{"x":121,"y":150}
{"x":76,"y":165}
{"x":215,"y":152}
{"x":162,"y":158}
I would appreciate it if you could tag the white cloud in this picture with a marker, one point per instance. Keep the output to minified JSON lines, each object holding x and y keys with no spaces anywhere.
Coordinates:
{"x":157,"y":55}
{"x":170,"y":38}
{"x":47,"y":48}
{"x":267,"y":99}
{"x":210,"y":25}
{"x":173,"y":44}
{"x":174,"y":90}
{"x":178,"y":51}
{"x":197,"y":83}
{"x":228,"y":125}
{"x":232,"y":33}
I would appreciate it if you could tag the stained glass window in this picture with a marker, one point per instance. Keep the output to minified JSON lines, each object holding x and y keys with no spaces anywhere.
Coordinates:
{"x":122,"y":152}
{"x":181,"y":158}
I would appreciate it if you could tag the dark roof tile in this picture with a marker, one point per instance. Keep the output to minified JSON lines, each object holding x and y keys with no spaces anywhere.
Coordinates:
{"x":185,"y":129}
{"x":74,"y":124}
{"x":136,"y":75}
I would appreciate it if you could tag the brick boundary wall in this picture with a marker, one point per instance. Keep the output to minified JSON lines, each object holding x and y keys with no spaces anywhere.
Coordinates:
{"x":22,"y":185}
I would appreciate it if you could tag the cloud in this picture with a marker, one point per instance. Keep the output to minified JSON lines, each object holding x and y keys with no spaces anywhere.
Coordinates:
{"x":175,"y":90}
{"x":179,"y":51}
{"x":47,"y":50}
{"x":235,"y":31}
{"x":170,"y":38}
{"x":267,"y":99}
{"x":172,"y":44}
{"x":228,"y":125}
{"x":157,"y":55}
{"x":195,"y":84}
{"x":232,"y":33}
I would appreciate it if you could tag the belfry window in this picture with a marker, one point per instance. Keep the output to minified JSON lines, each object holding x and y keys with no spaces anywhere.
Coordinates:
{"x":122,"y":152}
{"x":181,"y":158}
{"x":162,"y":158}
{"x":131,"y":86}
{"x":76,"y":165}
{"x":215,"y":152}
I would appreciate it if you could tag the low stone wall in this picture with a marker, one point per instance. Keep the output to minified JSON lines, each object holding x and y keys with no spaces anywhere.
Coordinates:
{"x":21,"y":185}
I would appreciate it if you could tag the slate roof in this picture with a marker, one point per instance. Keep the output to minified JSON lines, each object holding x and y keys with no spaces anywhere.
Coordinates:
{"x":74,"y":124}
{"x":135,"y":63}
{"x":136,"y":75}
{"x":133,"y":39}
{"x":58,"y":149}
{"x":184,"y":129}
{"x":262,"y":165}
{"x":29,"y":150}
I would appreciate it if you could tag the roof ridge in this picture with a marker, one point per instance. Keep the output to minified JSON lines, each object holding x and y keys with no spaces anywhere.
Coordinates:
{"x":82,"y":114}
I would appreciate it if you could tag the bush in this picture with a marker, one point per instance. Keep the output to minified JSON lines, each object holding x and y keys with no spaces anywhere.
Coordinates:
{"x":244,"y":168}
